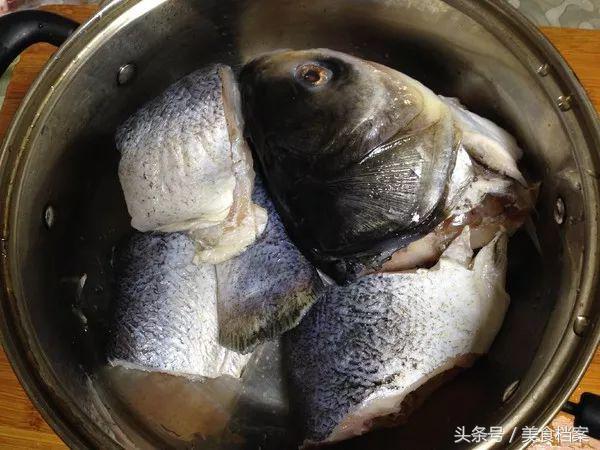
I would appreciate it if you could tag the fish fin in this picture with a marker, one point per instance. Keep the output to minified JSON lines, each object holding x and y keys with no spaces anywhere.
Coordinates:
{"x":490,"y":276}
{"x":533,"y":235}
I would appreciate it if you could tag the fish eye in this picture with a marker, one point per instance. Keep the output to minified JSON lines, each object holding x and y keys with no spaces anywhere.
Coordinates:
{"x":313,"y":74}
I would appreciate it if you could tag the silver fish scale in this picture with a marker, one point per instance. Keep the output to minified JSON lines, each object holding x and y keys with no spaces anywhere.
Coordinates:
{"x":166,"y":313}
{"x":176,"y":144}
{"x":182,"y":109}
{"x":345,"y":351}
{"x":385,"y":334}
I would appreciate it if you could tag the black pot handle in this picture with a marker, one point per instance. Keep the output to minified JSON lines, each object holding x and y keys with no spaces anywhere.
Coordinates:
{"x":21,"y":29}
{"x":586,"y":412}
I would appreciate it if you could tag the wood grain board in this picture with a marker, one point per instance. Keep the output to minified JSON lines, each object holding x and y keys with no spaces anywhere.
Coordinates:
{"x":22,"y":427}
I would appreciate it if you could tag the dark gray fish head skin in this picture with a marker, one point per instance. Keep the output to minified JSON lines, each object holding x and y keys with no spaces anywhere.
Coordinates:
{"x":357,"y":155}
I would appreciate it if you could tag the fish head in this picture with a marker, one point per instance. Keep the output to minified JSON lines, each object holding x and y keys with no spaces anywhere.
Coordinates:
{"x":354,"y":153}
{"x":323,"y":109}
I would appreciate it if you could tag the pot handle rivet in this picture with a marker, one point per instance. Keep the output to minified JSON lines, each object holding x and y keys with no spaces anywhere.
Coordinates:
{"x":565,"y":102}
{"x":581,"y":325}
{"x":49,"y":216}
{"x":559,"y":211}
{"x":510,"y":390}
{"x":4,"y":246}
{"x":126,"y":74}
{"x":543,"y":70}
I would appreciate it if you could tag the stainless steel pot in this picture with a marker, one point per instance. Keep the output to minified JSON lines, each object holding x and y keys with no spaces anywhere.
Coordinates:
{"x":63,"y":211}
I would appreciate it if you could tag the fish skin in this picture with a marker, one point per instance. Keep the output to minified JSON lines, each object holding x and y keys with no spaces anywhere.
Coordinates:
{"x":266,"y":290}
{"x":358,"y":164}
{"x":166,"y":310}
{"x":185,"y":165}
{"x":363,"y":347}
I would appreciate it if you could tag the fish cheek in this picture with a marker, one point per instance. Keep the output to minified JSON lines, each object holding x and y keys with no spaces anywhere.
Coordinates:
{"x":396,"y":189}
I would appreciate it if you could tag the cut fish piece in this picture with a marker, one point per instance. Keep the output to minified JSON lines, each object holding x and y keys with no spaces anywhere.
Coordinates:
{"x":219,"y":413}
{"x":185,"y":165}
{"x":175,"y":408}
{"x":364,"y":347}
{"x":166,"y":311}
{"x":266,"y":290}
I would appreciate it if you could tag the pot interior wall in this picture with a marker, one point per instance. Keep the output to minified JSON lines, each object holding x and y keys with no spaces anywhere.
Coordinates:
{"x":72,"y":166}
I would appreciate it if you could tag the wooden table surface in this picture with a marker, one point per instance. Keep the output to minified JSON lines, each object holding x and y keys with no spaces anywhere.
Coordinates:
{"x":21,"y":426}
